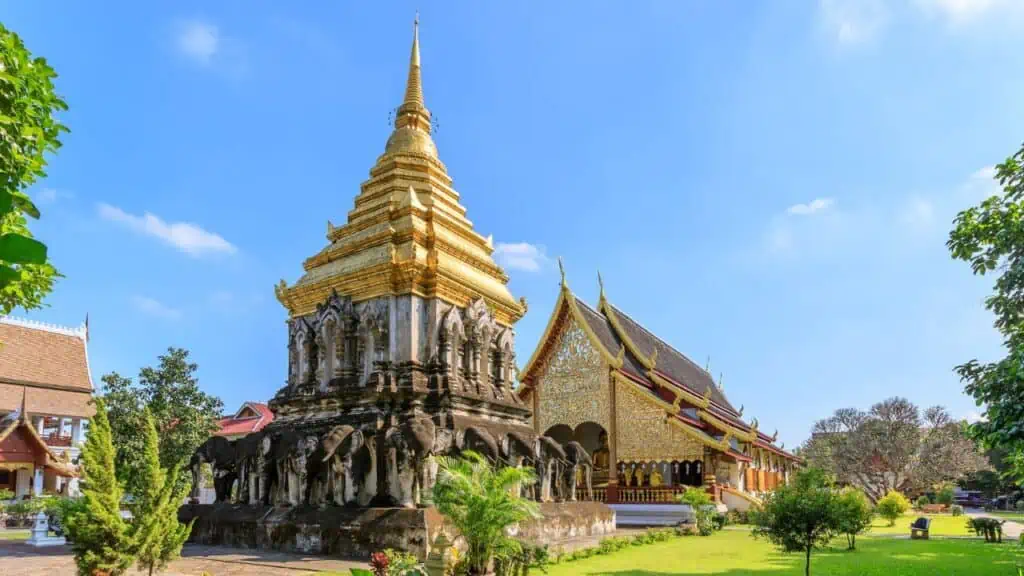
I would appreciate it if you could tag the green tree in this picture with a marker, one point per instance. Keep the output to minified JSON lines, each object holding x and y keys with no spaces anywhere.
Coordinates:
{"x":480,"y":501}
{"x":185,"y":415}
{"x":800,"y":516}
{"x":855,"y":515}
{"x":29,"y":129}
{"x":100,"y":537}
{"x":892,"y":506}
{"x":990,"y":236}
{"x":156,"y":531}
{"x":703,"y":513}
{"x":945,"y":495}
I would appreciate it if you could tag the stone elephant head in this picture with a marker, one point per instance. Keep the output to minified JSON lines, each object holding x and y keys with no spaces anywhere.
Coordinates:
{"x":219,"y":453}
{"x":480,"y":441}
{"x":331,"y":468}
{"x":408,"y":470}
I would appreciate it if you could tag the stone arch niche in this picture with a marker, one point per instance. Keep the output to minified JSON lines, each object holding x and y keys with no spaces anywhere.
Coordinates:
{"x":560,"y":433}
{"x":329,"y":325}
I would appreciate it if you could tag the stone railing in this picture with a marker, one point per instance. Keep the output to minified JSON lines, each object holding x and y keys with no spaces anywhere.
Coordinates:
{"x":659,"y":495}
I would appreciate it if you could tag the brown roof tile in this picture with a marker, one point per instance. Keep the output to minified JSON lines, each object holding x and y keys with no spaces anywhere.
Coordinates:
{"x":670,"y":362}
{"x":41,"y":354}
{"x":40,"y":401}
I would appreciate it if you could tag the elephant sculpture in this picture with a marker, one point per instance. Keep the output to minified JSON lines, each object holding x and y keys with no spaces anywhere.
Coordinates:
{"x":518,"y":451}
{"x":288,"y":456}
{"x":480,"y":441}
{"x":578,"y":463}
{"x":219,"y":453}
{"x":409,"y":474}
{"x":549,"y":458}
{"x":249,"y":457}
{"x":330,"y":470}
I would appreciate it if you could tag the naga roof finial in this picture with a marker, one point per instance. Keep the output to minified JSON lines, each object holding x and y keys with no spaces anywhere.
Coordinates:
{"x":600,"y":285}
{"x":561,"y":270}
{"x":741,"y":409}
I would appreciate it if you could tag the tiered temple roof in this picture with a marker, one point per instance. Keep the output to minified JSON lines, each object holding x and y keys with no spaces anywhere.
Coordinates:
{"x":638,"y":358}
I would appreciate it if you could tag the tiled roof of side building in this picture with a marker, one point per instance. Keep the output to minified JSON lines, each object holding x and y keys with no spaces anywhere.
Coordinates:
{"x":36,"y":353}
{"x":670,"y":361}
{"x":233,"y":425}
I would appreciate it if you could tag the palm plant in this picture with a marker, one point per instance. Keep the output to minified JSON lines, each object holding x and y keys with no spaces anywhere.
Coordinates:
{"x":481,"y":502}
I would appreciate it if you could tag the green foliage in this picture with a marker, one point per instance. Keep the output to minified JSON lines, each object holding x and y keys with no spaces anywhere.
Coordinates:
{"x":703,"y":510}
{"x":28,"y":131}
{"x":157,"y":534}
{"x":737,"y":516}
{"x":480,"y":502}
{"x":945,"y":495}
{"x":519,"y":557}
{"x":1019,"y":505}
{"x":800,"y":516}
{"x":6,"y":494}
{"x":855,"y":515}
{"x":185,"y":416}
{"x":990,"y":236}
{"x":922,"y":501}
{"x":390,"y":562}
{"x":100,"y":537}
{"x":956,"y":510}
{"x":892,"y":506}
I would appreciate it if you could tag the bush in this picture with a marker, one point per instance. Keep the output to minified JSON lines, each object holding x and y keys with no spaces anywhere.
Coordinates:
{"x":921,"y":502}
{"x":736,"y":516}
{"x":718,"y":521}
{"x":394,"y":563}
{"x":945,"y":495}
{"x":892,"y":506}
{"x":956,"y":510}
{"x":1019,"y":505}
{"x":990,"y":528}
{"x":854,"y":514}
{"x":703,"y":512}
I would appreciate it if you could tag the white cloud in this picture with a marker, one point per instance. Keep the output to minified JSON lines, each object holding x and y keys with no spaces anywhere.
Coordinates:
{"x":155,"y":308}
{"x":185,"y":236}
{"x":52,"y":195}
{"x":918,"y":212}
{"x":520,"y":256}
{"x":986,"y":173}
{"x":853,"y":21}
{"x":199,"y":41}
{"x":974,"y":417}
{"x":812,"y":207}
{"x":958,"y":12}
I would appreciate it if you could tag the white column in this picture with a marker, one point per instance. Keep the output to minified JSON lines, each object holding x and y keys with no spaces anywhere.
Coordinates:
{"x":37,"y":482}
{"x":76,"y":431}
{"x":39,"y":424}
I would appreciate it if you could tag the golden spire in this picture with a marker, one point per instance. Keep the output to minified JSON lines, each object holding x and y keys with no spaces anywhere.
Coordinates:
{"x":414,"y":85}
{"x":412,"y":120}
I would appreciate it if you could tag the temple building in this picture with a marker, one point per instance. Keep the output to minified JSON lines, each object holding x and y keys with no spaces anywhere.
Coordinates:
{"x":654,"y":421}
{"x":45,"y":405}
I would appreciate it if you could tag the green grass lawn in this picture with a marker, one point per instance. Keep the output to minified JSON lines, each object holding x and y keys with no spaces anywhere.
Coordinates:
{"x":14,"y":534}
{"x":735,"y":552}
{"x":942,"y":525}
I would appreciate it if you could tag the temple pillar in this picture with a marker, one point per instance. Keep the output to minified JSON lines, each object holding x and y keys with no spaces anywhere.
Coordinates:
{"x":613,"y":443}
{"x":37,"y":481}
{"x":39,"y":424}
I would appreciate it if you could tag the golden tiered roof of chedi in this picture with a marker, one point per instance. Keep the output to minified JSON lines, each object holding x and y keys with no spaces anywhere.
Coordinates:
{"x":408,"y":233}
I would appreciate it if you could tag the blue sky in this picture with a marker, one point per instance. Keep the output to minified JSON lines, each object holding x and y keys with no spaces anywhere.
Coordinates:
{"x":769,"y":184}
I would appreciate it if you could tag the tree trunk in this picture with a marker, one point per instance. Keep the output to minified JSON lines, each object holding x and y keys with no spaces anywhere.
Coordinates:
{"x":807,"y":566}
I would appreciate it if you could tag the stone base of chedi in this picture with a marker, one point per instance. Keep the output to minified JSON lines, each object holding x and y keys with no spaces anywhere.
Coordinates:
{"x":358,"y":532}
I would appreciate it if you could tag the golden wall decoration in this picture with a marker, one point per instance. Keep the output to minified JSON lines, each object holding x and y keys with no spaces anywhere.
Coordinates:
{"x":643,"y":433}
{"x":573,"y":382}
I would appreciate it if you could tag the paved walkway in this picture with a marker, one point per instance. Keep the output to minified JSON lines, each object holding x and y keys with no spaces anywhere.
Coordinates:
{"x":1011,"y":530}
{"x":195,"y":560}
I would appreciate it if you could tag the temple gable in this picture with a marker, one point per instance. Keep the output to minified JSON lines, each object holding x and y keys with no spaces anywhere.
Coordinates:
{"x":574,"y":382}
